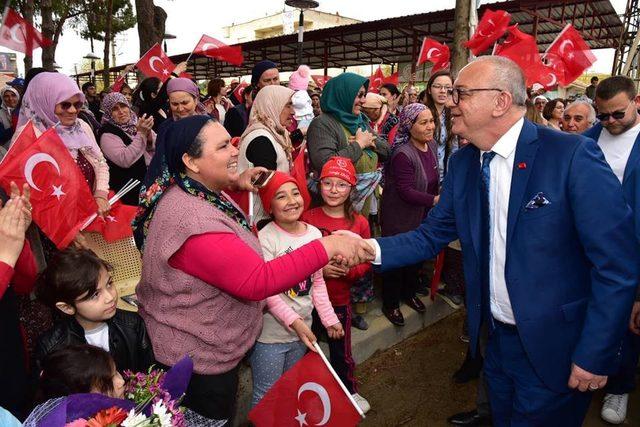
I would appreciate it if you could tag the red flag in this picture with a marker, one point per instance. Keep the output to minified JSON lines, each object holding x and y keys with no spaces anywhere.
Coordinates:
{"x":239,"y":91}
{"x":375,"y":80}
{"x":435,"y":52}
{"x":156,"y":63}
{"x":116,"y":225}
{"x":117,"y":85}
{"x":60,"y":196}
{"x":514,"y":35}
{"x":490,"y":28}
{"x":320,"y":80}
{"x":574,"y":53}
{"x":307,"y":394}
{"x":18,"y":34}
{"x":523,"y":50}
{"x":546,"y":75}
{"x":393,"y":79}
{"x":299,"y":173}
{"x":214,"y":48}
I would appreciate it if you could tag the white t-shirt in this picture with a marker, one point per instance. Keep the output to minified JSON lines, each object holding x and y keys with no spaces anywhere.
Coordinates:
{"x":98,"y":337}
{"x":617,"y":148}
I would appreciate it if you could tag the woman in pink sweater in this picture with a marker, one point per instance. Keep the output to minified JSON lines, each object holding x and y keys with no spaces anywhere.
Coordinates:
{"x":204,"y":279}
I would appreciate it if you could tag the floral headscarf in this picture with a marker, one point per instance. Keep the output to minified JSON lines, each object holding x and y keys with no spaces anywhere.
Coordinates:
{"x":110,"y":101}
{"x":265,"y":114}
{"x":44,"y":92}
{"x":407,"y":118}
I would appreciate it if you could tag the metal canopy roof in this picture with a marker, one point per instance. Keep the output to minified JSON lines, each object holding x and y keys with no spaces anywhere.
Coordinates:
{"x":397,"y":40}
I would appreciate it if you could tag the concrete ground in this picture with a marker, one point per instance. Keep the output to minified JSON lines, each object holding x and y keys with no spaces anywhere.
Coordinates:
{"x":410,"y":383}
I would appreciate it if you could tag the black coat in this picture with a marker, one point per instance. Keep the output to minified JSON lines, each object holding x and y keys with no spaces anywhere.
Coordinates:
{"x":129,"y":344}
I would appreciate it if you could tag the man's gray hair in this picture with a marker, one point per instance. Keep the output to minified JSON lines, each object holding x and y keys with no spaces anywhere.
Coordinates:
{"x":591,"y":117}
{"x":507,"y":76}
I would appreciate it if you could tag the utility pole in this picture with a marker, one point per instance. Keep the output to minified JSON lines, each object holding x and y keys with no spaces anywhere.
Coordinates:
{"x":459,"y":53}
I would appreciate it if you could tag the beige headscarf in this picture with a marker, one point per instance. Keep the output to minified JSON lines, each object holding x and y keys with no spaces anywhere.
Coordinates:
{"x":265,"y":114}
{"x":373,"y":100}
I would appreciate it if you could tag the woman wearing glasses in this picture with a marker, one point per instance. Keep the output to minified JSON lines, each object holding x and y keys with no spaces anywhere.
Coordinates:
{"x":54,"y":100}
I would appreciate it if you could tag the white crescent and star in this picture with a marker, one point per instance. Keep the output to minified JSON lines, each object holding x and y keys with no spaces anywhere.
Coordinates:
{"x":14,"y":36}
{"x":480,"y":33}
{"x":432,"y":49}
{"x":562,"y":47}
{"x":152,"y":60}
{"x":207,"y":46}
{"x":324,"y":398}
{"x":32,"y":162}
{"x":553,"y":79}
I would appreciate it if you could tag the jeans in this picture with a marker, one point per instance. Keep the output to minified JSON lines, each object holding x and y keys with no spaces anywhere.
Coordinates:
{"x":269,"y":362}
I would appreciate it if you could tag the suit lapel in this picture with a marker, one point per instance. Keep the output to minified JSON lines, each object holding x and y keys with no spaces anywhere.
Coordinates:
{"x":473,"y":199}
{"x":526,"y":149}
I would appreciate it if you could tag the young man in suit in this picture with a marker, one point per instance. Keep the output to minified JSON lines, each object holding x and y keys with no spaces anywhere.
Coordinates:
{"x":617,"y":135}
{"x":548,"y":263}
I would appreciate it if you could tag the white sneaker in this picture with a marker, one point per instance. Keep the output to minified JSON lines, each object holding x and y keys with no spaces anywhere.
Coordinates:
{"x":364,"y":405}
{"x":614,"y":408}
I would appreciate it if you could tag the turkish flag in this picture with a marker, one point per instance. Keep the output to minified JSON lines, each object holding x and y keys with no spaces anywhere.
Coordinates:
{"x":299,"y":173}
{"x":375,"y":80}
{"x":60,"y":196}
{"x":514,"y":35}
{"x":320,"y":80}
{"x":239,"y":91}
{"x":490,"y":28}
{"x":156,"y":63}
{"x":523,"y":50}
{"x":307,"y":394}
{"x":18,"y":34}
{"x":117,"y":225}
{"x":435,"y":52}
{"x":214,"y":48}
{"x":117,"y":85}
{"x":574,"y":53}
{"x":393,"y":79}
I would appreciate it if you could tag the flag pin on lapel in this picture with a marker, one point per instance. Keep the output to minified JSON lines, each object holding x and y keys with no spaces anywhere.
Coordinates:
{"x":522,"y":165}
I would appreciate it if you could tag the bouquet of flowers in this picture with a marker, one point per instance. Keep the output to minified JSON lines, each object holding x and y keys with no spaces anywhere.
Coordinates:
{"x":152,"y":400}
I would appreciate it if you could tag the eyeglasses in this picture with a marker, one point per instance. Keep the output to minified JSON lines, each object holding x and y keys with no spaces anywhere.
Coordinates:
{"x":617,"y":115}
{"x":456,"y":92}
{"x":340,"y":186}
{"x":440,"y":87}
{"x":65,"y":105}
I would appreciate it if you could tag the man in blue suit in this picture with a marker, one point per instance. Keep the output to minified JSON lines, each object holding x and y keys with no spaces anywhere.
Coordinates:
{"x":548,"y":260}
{"x":618,"y":136}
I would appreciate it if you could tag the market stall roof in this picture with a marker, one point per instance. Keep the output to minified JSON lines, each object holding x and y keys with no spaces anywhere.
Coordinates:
{"x":397,"y":40}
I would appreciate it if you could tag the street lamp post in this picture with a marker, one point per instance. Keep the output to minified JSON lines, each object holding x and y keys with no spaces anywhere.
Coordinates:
{"x":92,"y":56}
{"x":302,"y":5}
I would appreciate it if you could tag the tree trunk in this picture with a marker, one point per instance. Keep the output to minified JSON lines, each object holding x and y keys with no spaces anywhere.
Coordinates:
{"x":459,"y":54}
{"x":151,"y":24}
{"x":107,"y":45}
{"x":48,"y":31}
{"x":27,"y":13}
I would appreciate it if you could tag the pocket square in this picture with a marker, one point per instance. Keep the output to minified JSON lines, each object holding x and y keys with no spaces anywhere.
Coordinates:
{"x":538,"y":201}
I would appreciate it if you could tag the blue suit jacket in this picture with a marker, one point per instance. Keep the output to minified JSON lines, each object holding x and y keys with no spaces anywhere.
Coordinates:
{"x":571,"y":269}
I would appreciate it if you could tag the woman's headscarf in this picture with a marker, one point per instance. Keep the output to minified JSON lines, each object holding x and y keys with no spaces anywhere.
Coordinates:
{"x":5,"y":90}
{"x":110,"y":101}
{"x":181,"y":84}
{"x":166,"y":169}
{"x":337,"y":99}
{"x":407,"y":118}
{"x":265,"y":114}
{"x":44,"y":92}
{"x":373,"y":100}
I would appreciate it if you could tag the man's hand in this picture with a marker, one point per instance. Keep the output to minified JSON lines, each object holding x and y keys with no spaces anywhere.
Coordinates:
{"x":349,"y":251}
{"x":634,"y":321}
{"x":585,"y":381}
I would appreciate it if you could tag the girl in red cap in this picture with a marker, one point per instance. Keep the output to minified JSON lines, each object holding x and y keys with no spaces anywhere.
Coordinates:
{"x":286,"y":332}
{"x":337,"y":179}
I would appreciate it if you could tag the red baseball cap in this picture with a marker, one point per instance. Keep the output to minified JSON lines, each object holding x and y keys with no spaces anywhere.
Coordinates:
{"x":339,"y":167}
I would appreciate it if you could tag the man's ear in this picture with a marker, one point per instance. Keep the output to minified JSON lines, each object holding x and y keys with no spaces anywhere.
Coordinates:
{"x":66,"y":308}
{"x":503,"y":103}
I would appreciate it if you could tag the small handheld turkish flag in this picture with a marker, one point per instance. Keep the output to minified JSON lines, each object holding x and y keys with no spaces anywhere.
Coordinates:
{"x":574,"y":53}
{"x":375,"y":80}
{"x":435,"y":52}
{"x":60,"y":196}
{"x":306,"y":395}
{"x":320,"y":80}
{"x":117,"y":225}
{"x":238,"y":92}
{"x":514,"y":35}
{"x":214,"y":48}
{"x":490,"y":28}
{"x":393,"y":79}
{"x":156,"y":63}
{"x":522,"y":49}
{"x":18,"y":34}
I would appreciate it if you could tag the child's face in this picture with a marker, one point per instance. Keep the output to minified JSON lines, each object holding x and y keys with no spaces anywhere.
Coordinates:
{"x":334,"y":191}
{"x":118,"y":385}
{"x":100,"y":306}
{"x":287,"y":204}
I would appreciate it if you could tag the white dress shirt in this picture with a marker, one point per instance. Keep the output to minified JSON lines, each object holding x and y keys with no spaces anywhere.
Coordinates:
{"x":617,"y":148}
{"x":499,"y":189}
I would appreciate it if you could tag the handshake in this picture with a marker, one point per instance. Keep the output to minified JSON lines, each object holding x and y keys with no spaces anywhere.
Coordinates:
{"x":348,"y":249}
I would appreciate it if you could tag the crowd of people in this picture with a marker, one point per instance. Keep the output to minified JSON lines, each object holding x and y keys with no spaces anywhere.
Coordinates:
{"x":549,"y":282}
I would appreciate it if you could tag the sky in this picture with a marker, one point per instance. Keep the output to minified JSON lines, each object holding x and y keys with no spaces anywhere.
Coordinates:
{"x":189,"y":19}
